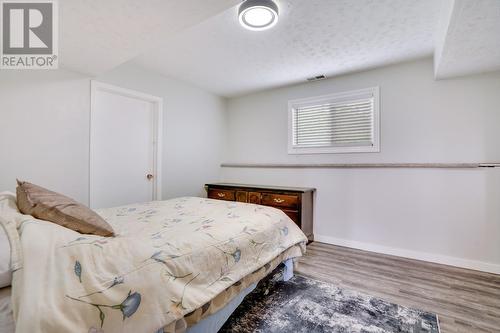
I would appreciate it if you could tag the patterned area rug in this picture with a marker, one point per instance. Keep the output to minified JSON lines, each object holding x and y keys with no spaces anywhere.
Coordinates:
{"x":306,"y":305}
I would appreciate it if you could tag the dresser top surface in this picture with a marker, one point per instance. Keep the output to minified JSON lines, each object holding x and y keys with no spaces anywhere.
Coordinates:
{"x":264,"y":187}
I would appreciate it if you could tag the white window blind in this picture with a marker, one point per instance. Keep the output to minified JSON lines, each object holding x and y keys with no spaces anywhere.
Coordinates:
{"x":336,"y":123}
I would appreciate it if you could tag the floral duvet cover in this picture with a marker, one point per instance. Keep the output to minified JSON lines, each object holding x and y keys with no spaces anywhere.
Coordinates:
{"x":169,"y":258}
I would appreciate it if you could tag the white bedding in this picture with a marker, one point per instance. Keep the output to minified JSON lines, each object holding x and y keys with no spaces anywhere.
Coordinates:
{"x":6,"y":319}
{"x":5,"y":271}
{"x":169,"y":259}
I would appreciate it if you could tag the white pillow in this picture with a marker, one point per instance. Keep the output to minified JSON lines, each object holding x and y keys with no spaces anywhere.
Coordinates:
{"x":5,"y":270}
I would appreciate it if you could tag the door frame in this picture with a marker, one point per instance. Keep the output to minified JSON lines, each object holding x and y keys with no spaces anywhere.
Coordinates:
{"x":157,"y":102}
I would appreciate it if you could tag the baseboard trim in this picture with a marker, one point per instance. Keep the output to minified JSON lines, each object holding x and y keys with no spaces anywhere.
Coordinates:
{"x":430,"y":257}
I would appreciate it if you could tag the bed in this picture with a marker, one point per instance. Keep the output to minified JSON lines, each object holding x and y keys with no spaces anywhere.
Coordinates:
{"x":175,"y":265}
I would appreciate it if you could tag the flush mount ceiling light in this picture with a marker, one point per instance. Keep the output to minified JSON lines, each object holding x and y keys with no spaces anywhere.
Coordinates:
{"x":258,"y":15}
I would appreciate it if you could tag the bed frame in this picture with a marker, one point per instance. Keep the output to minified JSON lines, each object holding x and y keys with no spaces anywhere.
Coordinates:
{"x":214,"y":322}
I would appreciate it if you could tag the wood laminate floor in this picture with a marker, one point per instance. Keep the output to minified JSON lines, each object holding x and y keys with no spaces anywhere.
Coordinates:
{"x":465,"y":300}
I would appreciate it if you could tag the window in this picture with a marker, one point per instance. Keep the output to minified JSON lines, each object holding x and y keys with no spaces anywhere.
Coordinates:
{"x":339,"y":123}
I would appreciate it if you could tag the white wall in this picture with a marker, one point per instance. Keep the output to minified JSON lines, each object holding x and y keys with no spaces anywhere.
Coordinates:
{"x":450,"y":216}
{"x":44,"y":130}
{"x":193,"y":132}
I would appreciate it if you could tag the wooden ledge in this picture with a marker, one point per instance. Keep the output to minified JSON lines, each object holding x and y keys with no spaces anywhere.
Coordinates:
{"x":362,"y":165}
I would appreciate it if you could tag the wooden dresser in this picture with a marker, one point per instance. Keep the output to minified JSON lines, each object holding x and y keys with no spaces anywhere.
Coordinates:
{"x":296,"y":202}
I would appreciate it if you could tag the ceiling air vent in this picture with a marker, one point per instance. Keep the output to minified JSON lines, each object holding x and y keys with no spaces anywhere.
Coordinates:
{"x":316,"y":78}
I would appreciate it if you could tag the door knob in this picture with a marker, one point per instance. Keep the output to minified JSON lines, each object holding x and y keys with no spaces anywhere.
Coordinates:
{"x":149,"y":176}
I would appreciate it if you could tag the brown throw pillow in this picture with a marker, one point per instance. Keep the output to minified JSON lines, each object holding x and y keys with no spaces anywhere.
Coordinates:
{"x":54,"y":207}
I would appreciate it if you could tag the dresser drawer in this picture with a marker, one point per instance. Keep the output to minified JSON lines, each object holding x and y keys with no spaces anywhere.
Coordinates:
{"x":280,"y":200}
{"x":294,"y":215}
{"x":254,"y":197}
{"x":221,"y":194}
{"x":241,"y":196}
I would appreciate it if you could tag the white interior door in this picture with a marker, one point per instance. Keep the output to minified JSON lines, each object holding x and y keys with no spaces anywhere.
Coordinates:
{"x":124,"y":147}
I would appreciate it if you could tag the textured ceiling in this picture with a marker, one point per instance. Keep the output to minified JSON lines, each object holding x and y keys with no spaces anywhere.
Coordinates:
{"x":201,"y":41}
{"x":469,"y":38}
{"x":313,"y":37}
{"x":97,"y":35}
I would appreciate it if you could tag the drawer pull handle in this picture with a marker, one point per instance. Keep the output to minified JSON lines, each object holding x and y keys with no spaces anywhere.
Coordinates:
{"x":279,"y":200}
{"x":221,"y":195}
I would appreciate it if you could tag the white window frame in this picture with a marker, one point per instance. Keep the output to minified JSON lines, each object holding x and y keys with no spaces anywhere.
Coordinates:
{"x":337,"y":97}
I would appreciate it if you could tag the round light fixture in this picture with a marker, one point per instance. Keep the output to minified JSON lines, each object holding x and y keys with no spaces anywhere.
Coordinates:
{"x":258,"y":14}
